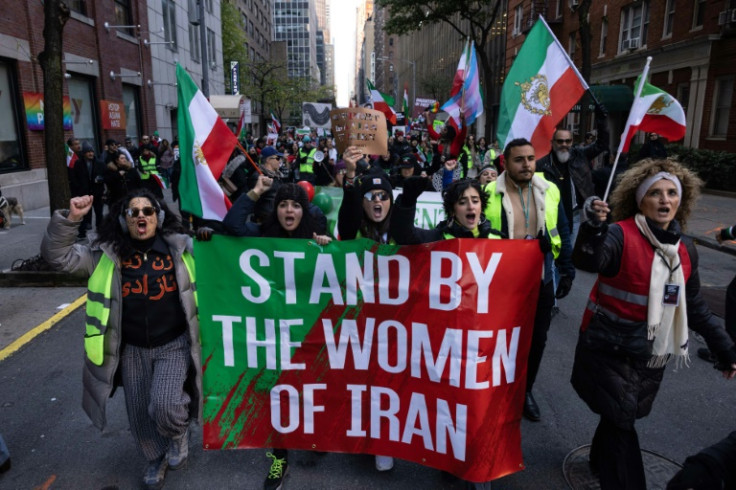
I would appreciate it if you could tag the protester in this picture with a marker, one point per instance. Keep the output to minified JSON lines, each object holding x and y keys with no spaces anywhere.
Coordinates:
{"x":87,"y":178}
{"x":289,"y":218}
{"x":524,"y":205}
{"x":120,"y":177}
{"x":235,"y":174}
{"x":166,"y":160}
{"x":446,"y":175}
{"x":141,"y":335}
{"x":712,"y":468}
{"x":148,"y":171}
{"x":652,"y":147}
{"x":487,"y":175}
{"x":407,"y":167}
{"x":567,"y":166}
{"x":639,"y":311}
{"x":270,"y":166}
{"x":305,"y":160}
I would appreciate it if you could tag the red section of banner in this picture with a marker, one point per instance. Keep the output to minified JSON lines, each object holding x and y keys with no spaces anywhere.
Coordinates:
{"x":438,"y":378}
{"x":112,"y":114}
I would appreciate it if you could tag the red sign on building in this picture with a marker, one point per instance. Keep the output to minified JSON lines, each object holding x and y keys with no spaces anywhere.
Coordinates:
{"x":112,"y":114}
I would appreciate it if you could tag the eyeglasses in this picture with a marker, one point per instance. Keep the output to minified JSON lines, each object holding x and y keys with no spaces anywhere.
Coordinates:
{"x":134,"y":212}
{"x":563,"y":142}
{"x":381,"y":196}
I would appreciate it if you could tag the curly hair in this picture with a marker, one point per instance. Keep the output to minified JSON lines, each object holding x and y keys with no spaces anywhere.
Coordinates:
{"x":623,"y":198}
{"x":455,"y":191}
{"x":114,"y":233}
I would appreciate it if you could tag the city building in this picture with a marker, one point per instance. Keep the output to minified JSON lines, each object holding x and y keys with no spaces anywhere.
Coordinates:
{"x":295,"y":21}
{"x":689,"y":42}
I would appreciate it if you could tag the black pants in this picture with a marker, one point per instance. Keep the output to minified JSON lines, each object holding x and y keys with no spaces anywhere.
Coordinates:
{"x":731,"y":309}
{"x":542,"y":319}
{"x":616,"y":456}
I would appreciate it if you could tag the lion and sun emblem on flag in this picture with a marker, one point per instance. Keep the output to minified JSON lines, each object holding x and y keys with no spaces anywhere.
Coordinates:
{"x":535,"y":95}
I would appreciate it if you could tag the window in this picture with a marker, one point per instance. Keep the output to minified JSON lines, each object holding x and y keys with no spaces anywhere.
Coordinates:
{"x":81,"y":93}
{"x":130,"y":100}
{"x":558,"y":9}
{"x":168,"y":9}
{"x":211,"y":51}
{"x":11,"y":157}
{"x":571,"y":45}
{"x":634,"y":26}
{"x":721,"y":106}
{"x":194,"y":42}
{"x":518,"y":15}
{"x":604,"y":37}
{"x":683,"y":96}
{"x":698,"y":14}
{"x":669,"y":18}
{"x":79,"y":6}
{"x":123,"y":15}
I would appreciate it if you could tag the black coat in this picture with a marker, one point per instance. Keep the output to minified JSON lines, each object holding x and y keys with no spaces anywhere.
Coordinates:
{"x":618,"y":387}
{"x":85,"y":181}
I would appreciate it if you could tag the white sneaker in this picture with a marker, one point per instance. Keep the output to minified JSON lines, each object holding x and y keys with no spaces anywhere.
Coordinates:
{"x":384,"y":463}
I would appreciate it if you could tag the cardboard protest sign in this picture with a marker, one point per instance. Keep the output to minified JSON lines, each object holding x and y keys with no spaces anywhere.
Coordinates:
{"x":416,"y":352}
{"x":359,"y":126}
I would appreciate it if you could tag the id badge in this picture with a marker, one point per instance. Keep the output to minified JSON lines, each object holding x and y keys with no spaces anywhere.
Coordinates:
{"x":671,"y":295}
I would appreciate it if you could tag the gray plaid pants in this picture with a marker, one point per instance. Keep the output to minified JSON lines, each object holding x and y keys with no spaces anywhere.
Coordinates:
{"x":157,"y":404}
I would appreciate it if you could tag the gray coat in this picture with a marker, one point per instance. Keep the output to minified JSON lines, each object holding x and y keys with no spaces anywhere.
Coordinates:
{"x":59,"y":249}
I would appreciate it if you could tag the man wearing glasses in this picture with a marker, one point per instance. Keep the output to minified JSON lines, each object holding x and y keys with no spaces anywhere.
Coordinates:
{"x":568,"y":166}
{"x":270,"y":166}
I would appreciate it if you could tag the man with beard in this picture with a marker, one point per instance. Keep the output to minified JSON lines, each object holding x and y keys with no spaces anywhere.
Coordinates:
{"x":567,"y":166}
{"x":527,"y":206}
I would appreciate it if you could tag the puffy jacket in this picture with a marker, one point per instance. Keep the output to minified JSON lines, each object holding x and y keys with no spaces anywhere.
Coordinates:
{"x":620,"y":388}
{"x":59,"y":249}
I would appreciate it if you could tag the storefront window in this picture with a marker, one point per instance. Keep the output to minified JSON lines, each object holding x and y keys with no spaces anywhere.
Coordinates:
{"x":83,"y":110}
{"x":130,"y":99}
{"x":10,"y":146}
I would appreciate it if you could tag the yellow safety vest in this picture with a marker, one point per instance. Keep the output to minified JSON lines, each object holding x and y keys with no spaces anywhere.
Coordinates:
{"x":307,"y":159}
{"x":148,"y":167}
{"x":99,"y":297}
{"x":494,"y":211}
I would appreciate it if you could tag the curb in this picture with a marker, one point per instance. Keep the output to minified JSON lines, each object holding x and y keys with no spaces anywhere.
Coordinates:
{"x":19,"y":279}
{"x":36,"y":331}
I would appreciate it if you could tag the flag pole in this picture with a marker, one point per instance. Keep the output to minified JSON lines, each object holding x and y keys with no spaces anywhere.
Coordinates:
{"x":642,"y":81}
{"x":249,"y":158}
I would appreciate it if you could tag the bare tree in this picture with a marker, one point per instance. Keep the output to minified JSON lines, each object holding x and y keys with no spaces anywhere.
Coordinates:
{"x":56,"y":13}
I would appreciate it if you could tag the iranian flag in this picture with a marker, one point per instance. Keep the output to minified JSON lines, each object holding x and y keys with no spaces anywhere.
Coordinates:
{"x":382,"y":102}
{"x":206,"y":144}
{"x":653,"y":110}
{"x":71,"y":156}
{"x":405,"y":103}
{"x":540,"y":89}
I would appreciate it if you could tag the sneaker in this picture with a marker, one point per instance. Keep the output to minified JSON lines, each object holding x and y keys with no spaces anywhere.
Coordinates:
{"x":276,"y":474}
{"x":706,"y":355}
{"x":155,"y":474}
{"x":384,"y":463}
{"x":5,"y":466}
{"x":178,"y":451}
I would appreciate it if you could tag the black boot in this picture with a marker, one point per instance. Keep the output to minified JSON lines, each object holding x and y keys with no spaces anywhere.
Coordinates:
{"x":531,"y":409}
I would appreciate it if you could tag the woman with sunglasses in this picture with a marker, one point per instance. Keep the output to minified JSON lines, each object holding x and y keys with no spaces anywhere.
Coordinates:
{"x":365,"y":210}
{"x":142,"y":330}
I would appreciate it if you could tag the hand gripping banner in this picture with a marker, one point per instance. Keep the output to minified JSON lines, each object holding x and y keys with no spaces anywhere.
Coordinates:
{"x":417,"y":352}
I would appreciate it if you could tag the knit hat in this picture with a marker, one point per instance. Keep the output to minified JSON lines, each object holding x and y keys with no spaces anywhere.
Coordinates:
{"x":291,"y":192}
{"x":373,"y":181}
{"x":408,"y":161}
{"x":87,"y":147}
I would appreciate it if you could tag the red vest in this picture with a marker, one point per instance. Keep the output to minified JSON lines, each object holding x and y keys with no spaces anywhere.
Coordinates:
{"x":624,"y":297}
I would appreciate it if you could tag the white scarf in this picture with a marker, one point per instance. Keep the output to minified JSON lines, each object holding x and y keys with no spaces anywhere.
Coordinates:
{"x":667,"y":324}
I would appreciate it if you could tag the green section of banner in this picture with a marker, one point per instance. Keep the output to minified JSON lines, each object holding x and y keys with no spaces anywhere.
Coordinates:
{"x":283,"y":261}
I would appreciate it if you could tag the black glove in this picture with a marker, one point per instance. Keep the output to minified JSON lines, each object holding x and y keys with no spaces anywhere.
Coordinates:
{"x":589,"y":213}
{"x":563,"y":289}
{"x":204,"y":234}
{"x":600,"y":111}
{"x":697,"y":473}
{"x":413,"y":187}
{"x":544,"y":244}
{"x":725,"y":359}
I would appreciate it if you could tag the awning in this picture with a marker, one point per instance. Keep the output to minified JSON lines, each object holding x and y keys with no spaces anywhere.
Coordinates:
{"x":228,"y":106}
{"x":615,"y":98}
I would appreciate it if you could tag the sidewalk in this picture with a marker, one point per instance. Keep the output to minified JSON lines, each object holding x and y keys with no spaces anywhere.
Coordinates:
{"x":23,"y":309}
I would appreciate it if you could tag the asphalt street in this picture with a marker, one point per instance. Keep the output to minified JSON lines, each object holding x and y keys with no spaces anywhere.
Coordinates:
{"x":54,"y":446}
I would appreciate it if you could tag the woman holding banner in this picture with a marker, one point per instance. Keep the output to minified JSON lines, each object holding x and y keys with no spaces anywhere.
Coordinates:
{"x":290,"y":218}
{"x":142,"y":330}
{"x":639,"y":311}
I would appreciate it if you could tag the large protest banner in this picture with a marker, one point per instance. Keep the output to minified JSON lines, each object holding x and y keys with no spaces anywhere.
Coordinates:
{"x":417,"y":352}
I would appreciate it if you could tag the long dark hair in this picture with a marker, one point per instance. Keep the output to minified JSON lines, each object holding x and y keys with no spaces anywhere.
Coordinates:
{"x":455,"y":191}
{"x":272,"y":228}
{"x":113,"y":232}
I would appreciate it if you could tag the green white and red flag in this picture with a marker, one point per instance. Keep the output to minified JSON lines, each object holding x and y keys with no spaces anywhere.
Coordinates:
{"x":206,"y":145}
{"x":540,"y":89}
{"x":382,"y":102}
{"x":71,"y":156}
{"x":656,"y":111}
{"x":405,"y":103}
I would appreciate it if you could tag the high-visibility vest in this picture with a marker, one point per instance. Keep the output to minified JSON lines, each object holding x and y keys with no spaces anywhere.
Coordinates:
{"x":307,"y":161}
{"x":624,"y":297}
{"x":494,"y":211}
{"x":99,"y":297}
{"x":148,"y":167}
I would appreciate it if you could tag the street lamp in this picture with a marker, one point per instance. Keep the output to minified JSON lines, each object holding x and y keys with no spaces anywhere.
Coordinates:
{"x":413,"y":73}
